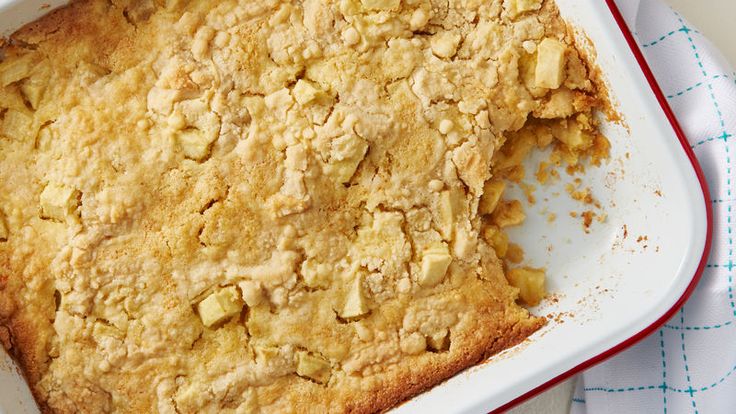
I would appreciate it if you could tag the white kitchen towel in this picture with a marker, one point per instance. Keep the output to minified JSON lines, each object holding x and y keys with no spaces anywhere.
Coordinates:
{"x":688,"y":364}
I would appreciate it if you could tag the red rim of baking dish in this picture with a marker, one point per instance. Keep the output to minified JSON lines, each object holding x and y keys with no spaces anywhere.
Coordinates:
{"x":709,"y":230}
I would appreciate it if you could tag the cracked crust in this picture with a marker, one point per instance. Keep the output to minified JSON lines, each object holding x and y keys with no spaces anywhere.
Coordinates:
{"x":271,"y":206}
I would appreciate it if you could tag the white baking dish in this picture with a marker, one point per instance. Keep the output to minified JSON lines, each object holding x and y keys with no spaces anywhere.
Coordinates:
{"x":610,"y":289}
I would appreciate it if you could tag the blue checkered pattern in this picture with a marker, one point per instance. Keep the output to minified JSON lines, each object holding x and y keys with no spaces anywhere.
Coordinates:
{"x":688,"y":364}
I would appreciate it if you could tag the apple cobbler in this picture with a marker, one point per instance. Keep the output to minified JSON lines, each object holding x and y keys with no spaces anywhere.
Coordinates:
{"x":272,"y":205}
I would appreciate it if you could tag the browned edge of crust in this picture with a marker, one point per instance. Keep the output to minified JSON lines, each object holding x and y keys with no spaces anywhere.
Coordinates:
{"x":17,"y":342}
{"x":405,"y":387}
{"x":412,"y":383}
{"x":585,"y":47}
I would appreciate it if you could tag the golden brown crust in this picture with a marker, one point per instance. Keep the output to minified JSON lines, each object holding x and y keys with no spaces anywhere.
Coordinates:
{"x":412,"y":383}
{"x":268,"y":206}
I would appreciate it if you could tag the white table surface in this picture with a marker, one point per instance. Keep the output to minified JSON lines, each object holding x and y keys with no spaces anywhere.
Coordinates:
{"x":715,"y":19}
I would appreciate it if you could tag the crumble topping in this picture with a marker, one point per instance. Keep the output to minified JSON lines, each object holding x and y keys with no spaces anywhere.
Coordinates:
{"x":260,"y":206}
